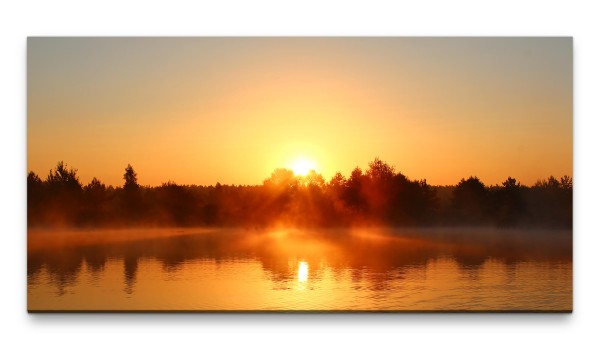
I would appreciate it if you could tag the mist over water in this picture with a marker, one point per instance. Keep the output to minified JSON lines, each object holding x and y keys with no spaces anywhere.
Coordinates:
{"x":300,"y":269}
{"x":278,"y":174}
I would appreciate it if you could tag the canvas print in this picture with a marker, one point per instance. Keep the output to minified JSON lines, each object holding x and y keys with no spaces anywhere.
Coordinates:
{"x":286,"y":174}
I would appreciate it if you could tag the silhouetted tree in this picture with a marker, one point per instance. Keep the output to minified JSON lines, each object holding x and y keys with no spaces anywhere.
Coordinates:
{"x":175,"y":204}
{"x":313,"y":180}
{"x":35,"y":197}
{"x":282,"y":178}
{"x":379,"y":190}
{"x":130,"y":177}
{"x":566,"y":182}
{"x":414,"y":202}
{"x":64,"y":195}
{"x":550,"y":202}
{"x":337,"y":182}
{"x":33,"y":180}
{"x":63,"y":179}
{"x":95,"y":186}
{"x":509,"y":201}
{"x":380,"y":171}
{"x":353,"y":194}
{"x":470,"y":202}
{"x":281,"y":188}
{"x":95,"y":203}
{"x":132,"y":203}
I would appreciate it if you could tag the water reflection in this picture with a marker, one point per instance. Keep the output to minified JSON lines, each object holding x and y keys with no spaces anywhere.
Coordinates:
{"x":386,"y":269}
{"x":302,"y":275}
{"x":130,"y":267}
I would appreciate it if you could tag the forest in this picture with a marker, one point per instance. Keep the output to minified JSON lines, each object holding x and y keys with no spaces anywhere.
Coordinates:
{"x":378,"y":196}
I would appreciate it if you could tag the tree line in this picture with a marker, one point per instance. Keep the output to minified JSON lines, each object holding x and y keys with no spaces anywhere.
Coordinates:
{"x":377,"y":196}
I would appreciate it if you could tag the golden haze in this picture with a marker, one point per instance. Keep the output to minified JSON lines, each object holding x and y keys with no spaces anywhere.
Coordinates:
{"x":230,"y":110}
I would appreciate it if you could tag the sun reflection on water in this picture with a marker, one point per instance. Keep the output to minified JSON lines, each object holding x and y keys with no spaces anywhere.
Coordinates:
{"x":302,"y":275}
{"x":469,"y":271}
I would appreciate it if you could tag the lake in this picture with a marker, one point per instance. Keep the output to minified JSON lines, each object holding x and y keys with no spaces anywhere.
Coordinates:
{"x":449,"y":269}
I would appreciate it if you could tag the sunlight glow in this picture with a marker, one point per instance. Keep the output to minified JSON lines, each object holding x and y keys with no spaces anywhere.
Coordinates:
{"x":302,"y":272}
{"x":301,"y":167}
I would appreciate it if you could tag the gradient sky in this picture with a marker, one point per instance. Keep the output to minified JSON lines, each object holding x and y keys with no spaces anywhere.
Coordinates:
{"x":231,"y":110}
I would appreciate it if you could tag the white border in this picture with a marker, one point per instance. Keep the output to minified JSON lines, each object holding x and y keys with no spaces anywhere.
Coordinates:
{"x":191,"y":18}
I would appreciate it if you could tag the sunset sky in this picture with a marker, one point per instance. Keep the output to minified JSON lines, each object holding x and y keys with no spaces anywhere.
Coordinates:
{"x":231,"y":110}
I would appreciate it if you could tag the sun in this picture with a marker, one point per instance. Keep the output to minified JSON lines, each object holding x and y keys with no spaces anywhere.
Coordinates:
{"x":302,"y":167}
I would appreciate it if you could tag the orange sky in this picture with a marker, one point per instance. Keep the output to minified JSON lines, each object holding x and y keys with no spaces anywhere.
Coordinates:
{"x":231,"y":110}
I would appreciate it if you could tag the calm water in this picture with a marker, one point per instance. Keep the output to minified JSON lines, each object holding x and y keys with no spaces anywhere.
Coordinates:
{"x":234,"y":269}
